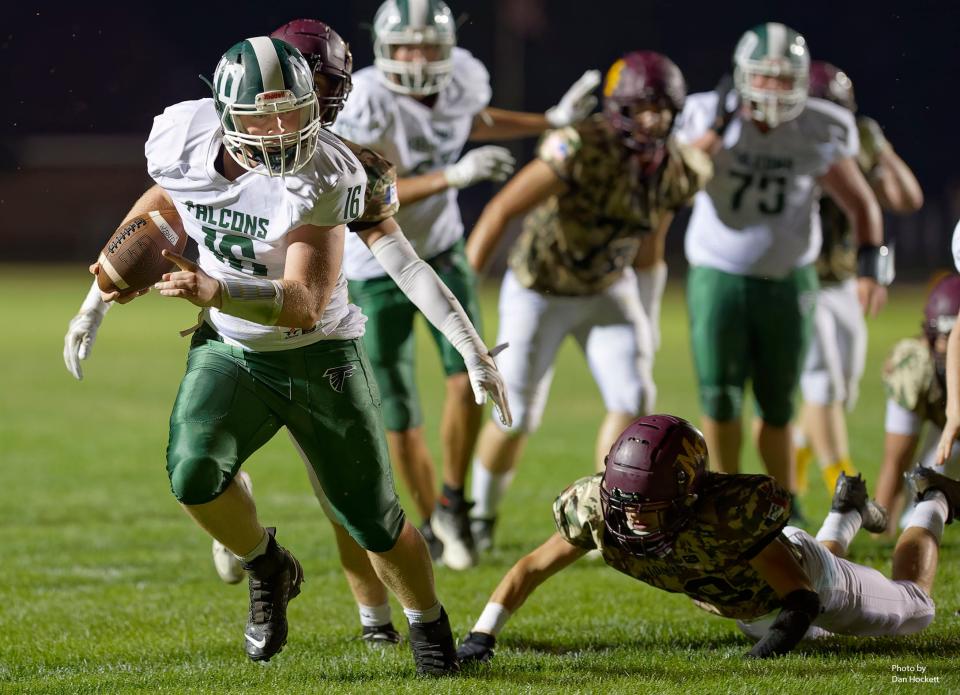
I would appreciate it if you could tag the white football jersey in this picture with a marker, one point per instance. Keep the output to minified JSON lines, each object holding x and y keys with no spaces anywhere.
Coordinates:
{"x":241,"y":226}
{"x":417,"y":140}
{"x":956,"y":247}
{"x":758,"y":215}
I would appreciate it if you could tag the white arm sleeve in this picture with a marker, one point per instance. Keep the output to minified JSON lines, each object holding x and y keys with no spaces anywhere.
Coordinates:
{"x":424,"y":288}
{"x":899,"y":420}
{"x":92,"y":303}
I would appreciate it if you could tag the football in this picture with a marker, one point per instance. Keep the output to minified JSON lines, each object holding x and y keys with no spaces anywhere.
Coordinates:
{"x":132,"y":260}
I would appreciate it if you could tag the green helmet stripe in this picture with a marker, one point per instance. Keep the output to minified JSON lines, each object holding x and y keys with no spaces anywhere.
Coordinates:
{"x":415,"y":14}
{"x":268,"y":62}
{"x":776,"y":40}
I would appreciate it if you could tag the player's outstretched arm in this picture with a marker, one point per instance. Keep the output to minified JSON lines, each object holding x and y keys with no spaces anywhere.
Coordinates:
{"x":531,"y":186}
{"x":488,"y":163}
{"x":82,"y":332}
{"x":575,"y":105}
{"x":892,"y":180}
{"x":849,"y":189}
{"x":426,"y":291}
{"x":779,"y":568}
{"x":527,"y":574}
{"x":951,"y":429}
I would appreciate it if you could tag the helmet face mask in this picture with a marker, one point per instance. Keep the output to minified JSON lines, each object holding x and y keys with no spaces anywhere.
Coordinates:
{"x":772,"y":73}
{"x":413,"y":45}
{"x":650,"y":483}
{"x":330,"y":60}
{"x":643,"y":92}
{"x":262,"y":86}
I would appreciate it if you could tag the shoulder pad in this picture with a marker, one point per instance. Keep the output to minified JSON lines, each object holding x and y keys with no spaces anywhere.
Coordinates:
{"x":831,"y":128}
{"x":177,"y":137}
{"x":908,"y":372}
{"x":559,"y":149}
{"x":577,"y":512}
{"x":367,"y":113}
{"x":695,"y":118}
{"x":473,"y":80}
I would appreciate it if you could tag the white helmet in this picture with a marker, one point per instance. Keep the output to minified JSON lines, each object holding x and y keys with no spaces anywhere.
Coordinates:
{"x":414,"y":23}
{"x":776,"y":50}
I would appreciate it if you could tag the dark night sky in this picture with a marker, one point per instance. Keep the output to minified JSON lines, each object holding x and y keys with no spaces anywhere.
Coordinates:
{"x":76,"y":68}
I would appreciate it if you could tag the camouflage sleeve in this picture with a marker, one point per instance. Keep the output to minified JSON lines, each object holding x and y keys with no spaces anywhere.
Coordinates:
{"x":907,"y":373}
{"x":751,"y":509}
{"x":872,"y":141}
{"x":381,"y":201}
{"x":577,"y":511}
{"x":688,"y":170}
{"x":559,"y":149}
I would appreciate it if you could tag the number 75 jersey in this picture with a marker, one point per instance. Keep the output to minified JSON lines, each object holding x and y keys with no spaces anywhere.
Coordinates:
{"x":241,"y":226}
{"x":758,"y":214}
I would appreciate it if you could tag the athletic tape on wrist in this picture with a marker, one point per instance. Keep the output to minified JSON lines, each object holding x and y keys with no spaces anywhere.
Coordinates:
{"x":252,"y":299}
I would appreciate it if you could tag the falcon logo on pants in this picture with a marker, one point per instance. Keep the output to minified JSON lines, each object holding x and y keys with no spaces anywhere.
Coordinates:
{"x":338,"y":376}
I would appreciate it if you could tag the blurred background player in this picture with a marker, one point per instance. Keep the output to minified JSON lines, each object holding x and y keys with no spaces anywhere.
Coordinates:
{"x":656,"y":514}
{"x":915,"y":379}
{"x":754,"y":236}
{"x":597,"y":194}
{"x":418,"y":105}
{"x":831,"y":373}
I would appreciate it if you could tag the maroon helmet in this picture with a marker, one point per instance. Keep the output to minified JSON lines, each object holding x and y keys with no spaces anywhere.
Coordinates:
{"x":657,"y":465}
{"x":329,"y":56}
{"x":943,"y":304}
{"x":829,"y":82}
{"x":638,"y":80}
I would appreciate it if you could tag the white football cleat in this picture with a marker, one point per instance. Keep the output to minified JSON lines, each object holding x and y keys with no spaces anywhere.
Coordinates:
{"x":229,"y":567}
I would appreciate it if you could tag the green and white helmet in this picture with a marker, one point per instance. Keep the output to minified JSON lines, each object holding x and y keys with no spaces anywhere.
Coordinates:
{"x":776,"y":50}
{"x":425,"y":23}
{"x":256,"y":83}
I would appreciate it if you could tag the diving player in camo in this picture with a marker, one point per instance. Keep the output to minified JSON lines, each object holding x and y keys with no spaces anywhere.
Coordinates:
{"x":418,"y":105}
{"x":278,"y":343}
{"x":589,"y":262}
{"x":834,"y":363}
{"x":915,"y":381}
{"x":755,"y":234}
{"x":656,"y":514}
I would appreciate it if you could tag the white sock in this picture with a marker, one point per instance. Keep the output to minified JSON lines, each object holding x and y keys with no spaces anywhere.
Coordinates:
{"x":488,"y":490}
{"x":260,"y":549}
{"x":492,"y":620}
{"x":428,"y":616}
{"x":840,"y":527}
{"x":931,"y":513}
{"x":374,"y":616}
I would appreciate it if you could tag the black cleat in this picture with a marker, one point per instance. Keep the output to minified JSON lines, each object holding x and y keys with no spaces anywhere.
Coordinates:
{"x":925,"y":479}
{"x":380,"y":635}
{"x":482,"y":532}
{"x":451,"y":526}
{"x":273,"y":579}
{"x":477,"y":647}
{"x":851,"y":494}
{"x":434,"y":545}
{"x":433,"y":650}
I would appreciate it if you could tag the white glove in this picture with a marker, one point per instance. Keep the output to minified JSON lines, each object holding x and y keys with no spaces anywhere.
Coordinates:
{"x":486,"y":379}
{"x":78,"y":342}
{"x":489,"y":162}
{"x":577,"y":103}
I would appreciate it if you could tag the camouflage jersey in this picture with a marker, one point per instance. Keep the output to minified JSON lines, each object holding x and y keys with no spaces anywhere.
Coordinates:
{"x":380,"y":200}
{"x":838,"y":255}
{"x":737,"y":517}
{"x":910,"y":380}
{"x":579,"y":242}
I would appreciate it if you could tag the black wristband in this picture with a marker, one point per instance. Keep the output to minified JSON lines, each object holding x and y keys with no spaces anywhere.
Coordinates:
{"x":875,"y":262}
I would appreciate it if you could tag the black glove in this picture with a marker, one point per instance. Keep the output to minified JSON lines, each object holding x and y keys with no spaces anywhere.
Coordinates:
{"x":800,"y":608}
{"x":726,"y":109}
{"x":478,"y":647}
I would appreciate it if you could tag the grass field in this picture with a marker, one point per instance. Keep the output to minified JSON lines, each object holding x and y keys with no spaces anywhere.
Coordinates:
{"x":108,"y":587}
